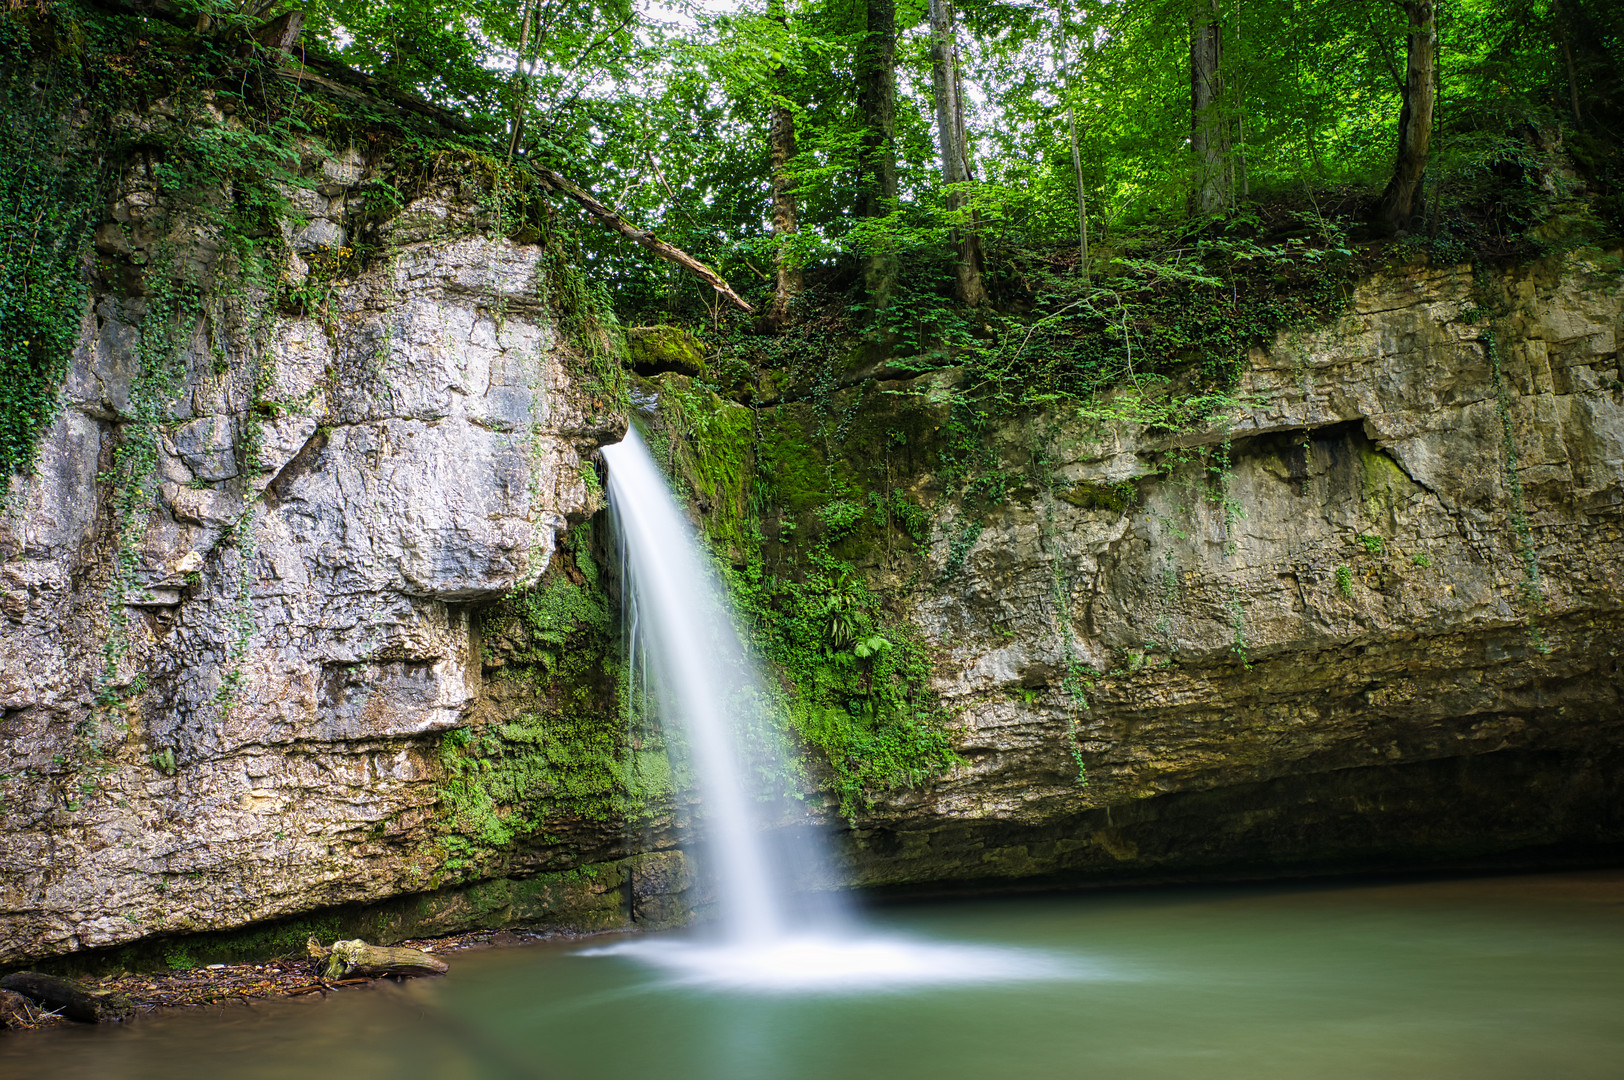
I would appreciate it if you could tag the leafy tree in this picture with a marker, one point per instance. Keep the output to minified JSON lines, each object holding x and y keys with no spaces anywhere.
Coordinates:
{"x":1398,"y":202}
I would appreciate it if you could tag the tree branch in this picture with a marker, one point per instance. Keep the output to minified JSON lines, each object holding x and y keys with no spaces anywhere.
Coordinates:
{"x":644,"y":237}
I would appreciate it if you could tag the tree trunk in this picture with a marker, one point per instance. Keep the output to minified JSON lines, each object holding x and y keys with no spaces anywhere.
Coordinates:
{"x":357,"y":959}
{"x":877,"y":153}
{"x":1207,"y":133}
{"x":1398,"y":203}
{"x":517,"y":87}
{"x":645,"y":237}
{"x":1560,"y":20}
{"x":73,"y":999}
{"x":1241,"y":179}
{"x":781,"y":139}
{"x":280,"y":34}
{"x":944,"y":72}
{"x":1076,"y":152}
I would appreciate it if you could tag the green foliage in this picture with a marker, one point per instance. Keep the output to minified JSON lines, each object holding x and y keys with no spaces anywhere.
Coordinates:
{"x":709,"y":450}
{"x":1085,"y":495}
{"x":557,"y":746}
{"x":853,"y":686}
{"x":1344,"y":580}
{"x":588,"y":322}
{"x":52,"y":191}
{"x":870,"y":646}
{"x":857,"y":679}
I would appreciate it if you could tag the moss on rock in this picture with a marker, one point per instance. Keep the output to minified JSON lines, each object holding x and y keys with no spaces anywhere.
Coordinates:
{"x":654,"y":350}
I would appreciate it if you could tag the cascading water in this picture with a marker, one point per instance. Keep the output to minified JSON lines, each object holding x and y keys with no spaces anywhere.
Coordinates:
{"x":698,"y":675}
{"x":703,"y":680}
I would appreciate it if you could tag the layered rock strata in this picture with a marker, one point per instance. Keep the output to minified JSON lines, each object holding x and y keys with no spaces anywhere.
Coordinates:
{"x":224,"y":669}
{"x":1372,"y":619}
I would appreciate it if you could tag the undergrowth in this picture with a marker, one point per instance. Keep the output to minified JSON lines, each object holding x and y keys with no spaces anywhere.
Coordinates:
{"x":557,"y":749}
{"x":52,"y":193}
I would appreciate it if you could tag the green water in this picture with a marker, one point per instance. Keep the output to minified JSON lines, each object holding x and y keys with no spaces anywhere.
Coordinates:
{"x":1496,"y":977}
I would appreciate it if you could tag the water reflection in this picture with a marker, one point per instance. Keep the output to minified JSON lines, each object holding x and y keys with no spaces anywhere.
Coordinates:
{"x":861,"y":963}
{"x":1491,"y":978}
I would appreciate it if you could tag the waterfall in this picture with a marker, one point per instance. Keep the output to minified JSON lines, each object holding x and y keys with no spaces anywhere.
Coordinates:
{"x":699,"y":680}
{"x":704,"y":682}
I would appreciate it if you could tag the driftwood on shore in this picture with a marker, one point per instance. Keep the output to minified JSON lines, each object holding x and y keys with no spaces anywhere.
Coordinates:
{"x":357,"y":959}
{"x":17,"y":1011}
{"x":72,"y":999}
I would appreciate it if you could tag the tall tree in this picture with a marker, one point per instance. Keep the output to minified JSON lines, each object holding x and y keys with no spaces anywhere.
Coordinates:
{"x":968,"y":283}
{"x":787,"y":279}
{"x":1398,"y":204}
{"x":1209,"y":139}
{"x":1067,"y":91}
{"x":877,"y":152}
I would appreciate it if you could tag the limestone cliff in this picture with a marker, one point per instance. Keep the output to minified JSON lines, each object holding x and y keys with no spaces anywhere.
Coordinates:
{"x":1371,"y":619}
{"x":304,"y":611}
{"x":228,"y":655}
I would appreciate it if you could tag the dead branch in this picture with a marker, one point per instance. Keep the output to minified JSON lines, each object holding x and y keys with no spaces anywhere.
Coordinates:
{"x":644,"y":237}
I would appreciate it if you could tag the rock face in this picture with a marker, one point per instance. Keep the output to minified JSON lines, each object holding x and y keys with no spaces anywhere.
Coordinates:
{"x":223,"y":676}
{"x":1373,"y":620}
{"x":261,"y":653}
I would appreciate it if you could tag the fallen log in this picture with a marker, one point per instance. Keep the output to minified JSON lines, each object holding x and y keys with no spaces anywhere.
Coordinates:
{"x":351,"y":959}
{"x":72,"y":999}
{"x":17,"y":1011}
{"x":671,"y":254}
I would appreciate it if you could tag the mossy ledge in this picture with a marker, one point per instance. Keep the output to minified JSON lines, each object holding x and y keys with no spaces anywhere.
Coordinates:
{"x":648,"y":891}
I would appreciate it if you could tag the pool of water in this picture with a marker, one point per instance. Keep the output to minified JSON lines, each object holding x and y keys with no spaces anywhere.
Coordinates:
{"x":1480,"y":978}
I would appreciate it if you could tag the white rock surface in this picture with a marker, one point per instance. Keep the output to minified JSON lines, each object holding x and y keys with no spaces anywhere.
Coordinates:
{"x":322,"y":517}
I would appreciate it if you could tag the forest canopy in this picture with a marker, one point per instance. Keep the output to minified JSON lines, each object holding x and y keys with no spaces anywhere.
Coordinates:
{"x":991,"y":152}
{"x":1146,"y":111}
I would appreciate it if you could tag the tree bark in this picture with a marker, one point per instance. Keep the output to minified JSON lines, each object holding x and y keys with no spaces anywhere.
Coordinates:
{"x":1560,"y":20}
{"x":516,"y":123}
{"x":281,"y":32}
{"x":781,"y":138}
{"x":877,"y":152}
{"x":1207,"y":133}
{"x":357,"y":959}
{"x":72,"y":999}
{"x":644,"y":237}
{"x":1076,"y":152}
{"x":968,"y":283}
{"x":1397,"y":207}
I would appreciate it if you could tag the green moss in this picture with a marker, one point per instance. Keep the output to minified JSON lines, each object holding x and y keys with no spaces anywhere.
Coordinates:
{"x":587,"y":320}
{"x":793,"y":469}
{"x":653,"y":349}
{"x":552,"y":747}
{"x":709,"y":445}
{"x":857,"y":678}
{"x":1092,"y":496}
{"x":1384,"y":487}
{"x":52,"y":194}
{"x":853,"y":681}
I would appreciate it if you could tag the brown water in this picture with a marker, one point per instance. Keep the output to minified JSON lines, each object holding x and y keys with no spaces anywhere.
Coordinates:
{"x":1514,"y":977}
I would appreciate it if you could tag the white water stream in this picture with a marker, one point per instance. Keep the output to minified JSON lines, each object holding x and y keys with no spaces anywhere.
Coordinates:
{"x":702,"y":680}
{"x":699,"y":679}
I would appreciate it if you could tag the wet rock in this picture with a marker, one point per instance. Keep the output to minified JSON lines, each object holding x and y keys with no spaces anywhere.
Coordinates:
{"x":73,"y":999}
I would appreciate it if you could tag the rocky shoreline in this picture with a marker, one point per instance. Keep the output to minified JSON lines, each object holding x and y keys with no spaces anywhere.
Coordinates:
{"x":140,"y":993}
